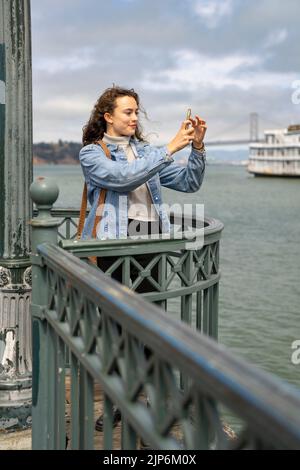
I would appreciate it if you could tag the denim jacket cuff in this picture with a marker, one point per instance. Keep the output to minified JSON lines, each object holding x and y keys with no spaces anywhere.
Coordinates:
{"x":199,"y":153}
{"x":167,"y":155}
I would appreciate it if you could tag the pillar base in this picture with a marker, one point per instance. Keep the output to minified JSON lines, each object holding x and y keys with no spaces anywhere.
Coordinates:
{"x":15,"y":350}
{"x":15,"y":409}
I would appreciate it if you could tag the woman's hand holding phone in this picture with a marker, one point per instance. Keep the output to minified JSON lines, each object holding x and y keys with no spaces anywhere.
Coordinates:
{"x":191,"y":130}
{"x":199,"y":126}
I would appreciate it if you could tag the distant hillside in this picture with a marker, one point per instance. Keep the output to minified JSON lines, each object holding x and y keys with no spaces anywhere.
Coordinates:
{"x":66,"y":153}
{"x":56,"y":153}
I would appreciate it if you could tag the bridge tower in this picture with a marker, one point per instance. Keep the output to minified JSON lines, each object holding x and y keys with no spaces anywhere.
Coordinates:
{"x":254,"y":127}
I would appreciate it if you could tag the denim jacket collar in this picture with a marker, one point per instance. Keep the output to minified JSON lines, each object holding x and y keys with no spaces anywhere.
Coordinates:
{"x":133,"y":140}
{"x":135,"y":145}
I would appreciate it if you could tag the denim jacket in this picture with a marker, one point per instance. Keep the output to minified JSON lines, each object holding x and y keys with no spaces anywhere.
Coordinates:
{"x":152,"y":166}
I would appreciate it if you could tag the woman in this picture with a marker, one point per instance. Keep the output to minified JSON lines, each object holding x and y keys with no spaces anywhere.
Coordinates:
{"x":134,"y":176}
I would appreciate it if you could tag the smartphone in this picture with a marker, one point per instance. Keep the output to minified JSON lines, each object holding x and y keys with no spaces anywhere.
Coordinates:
{"x":188,"y":115}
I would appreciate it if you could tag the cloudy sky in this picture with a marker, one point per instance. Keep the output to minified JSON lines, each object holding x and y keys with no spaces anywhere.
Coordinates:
{"x":223,"y":58}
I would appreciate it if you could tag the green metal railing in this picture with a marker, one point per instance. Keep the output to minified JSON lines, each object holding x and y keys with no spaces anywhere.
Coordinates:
{"x":188,"y":278}
{"x":133,"y":354}
{"x":105,"y":328}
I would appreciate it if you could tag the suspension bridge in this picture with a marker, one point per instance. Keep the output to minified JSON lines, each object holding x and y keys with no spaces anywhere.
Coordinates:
{"x":253,"y":121}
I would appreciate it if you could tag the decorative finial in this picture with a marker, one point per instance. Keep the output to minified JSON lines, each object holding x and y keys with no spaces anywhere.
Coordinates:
{"x":44,"y":192}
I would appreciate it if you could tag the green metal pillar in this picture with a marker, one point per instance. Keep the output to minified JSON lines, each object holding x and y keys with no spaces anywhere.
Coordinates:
{"x":44,"y":193}
{"x":15,"y":212}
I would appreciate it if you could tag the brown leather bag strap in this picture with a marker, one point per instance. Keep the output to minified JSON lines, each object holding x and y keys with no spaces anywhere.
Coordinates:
{"x":104,"y":147}
{"x":101,"y":200}
{"x":99,"y":211}
{"x":82,"y":212}
{"x":102,"y":194}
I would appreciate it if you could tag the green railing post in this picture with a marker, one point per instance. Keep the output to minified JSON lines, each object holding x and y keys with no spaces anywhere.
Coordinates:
{"x":44,"y":193}
{"x":15,"y":211}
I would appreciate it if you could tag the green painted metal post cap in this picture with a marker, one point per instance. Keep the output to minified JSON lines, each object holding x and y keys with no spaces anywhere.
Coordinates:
{"x":44,"y":192}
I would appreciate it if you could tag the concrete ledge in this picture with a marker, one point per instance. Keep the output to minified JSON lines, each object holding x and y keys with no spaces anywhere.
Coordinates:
{"x":19,"y":440}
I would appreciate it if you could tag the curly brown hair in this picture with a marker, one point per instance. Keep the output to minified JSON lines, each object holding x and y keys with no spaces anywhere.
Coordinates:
{"x":96,"y":126}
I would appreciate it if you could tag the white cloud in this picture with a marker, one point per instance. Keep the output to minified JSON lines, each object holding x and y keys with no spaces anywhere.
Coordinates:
{"x":236,"y":55}
{"x":193,"y":71}
{"x":65,"y":106}
{"x":77,"y":60}
{"x":211,"y":12}
{"x":275,"y":38}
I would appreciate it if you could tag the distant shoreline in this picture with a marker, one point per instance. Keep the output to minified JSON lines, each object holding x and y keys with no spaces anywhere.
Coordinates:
{"x":209,"y":162}
{"x":67,"y":153}
{"x":56,"y":153}
{"x":40,"y":162}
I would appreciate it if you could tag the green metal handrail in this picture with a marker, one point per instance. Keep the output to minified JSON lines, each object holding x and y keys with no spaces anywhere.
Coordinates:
{"x":106,"y":328}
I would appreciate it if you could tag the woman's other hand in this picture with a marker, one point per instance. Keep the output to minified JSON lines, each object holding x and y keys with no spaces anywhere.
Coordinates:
{"x":199,"y":126}
{"x":184,"y":136}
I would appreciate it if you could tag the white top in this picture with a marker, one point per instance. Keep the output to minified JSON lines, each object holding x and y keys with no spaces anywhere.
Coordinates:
{"x":140,"y":205}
